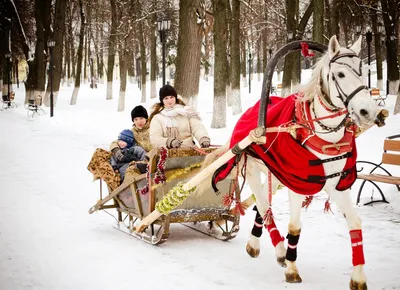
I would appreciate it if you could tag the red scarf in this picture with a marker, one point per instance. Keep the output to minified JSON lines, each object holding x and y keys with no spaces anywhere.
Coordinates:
{"x":286,"y":158}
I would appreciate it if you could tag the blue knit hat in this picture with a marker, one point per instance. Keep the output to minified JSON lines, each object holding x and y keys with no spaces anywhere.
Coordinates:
{"x":127,"y":136}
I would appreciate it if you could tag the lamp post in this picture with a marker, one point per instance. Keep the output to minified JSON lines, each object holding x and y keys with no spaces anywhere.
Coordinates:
{"x":290,"y":35}
{"x":308,"y":37}
{"x":249,"y":72}
{"x":50,"y":44}
{"x":92,"y":83}
{"x":8,"y":58}
{"x":163,"y":26}
{"x":368,"y":36}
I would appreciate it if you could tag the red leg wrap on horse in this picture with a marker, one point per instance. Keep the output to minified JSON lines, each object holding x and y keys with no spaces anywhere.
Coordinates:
{"x":357,"y":247}
{"x":274,"y":233}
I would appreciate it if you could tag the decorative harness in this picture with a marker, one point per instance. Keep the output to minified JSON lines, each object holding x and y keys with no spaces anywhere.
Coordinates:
{"x":306,"y":134}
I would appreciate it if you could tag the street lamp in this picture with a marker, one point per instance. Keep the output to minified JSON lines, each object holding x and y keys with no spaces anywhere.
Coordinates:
{"x":163,"y":26}
{"x":308,"y":34}
{"x":249,"y":72}
{"x":92,"y":80}
{"x":368,"y":36}
{"x":308,"y":37}
{"x":290,"y":35}
{"x":51,"y":44}
{"x":8,"y":58}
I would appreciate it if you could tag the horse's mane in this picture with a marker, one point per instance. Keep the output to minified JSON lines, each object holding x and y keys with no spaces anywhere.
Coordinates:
{"x":310,"y":89}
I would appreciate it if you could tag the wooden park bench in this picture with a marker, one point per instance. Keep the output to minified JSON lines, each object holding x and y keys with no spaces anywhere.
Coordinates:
{"x":8,"y":102}
{"x":276,"y":90}
{"x":390,"y":156}
{"x":34,"y":106}
{"x":376,"y":95}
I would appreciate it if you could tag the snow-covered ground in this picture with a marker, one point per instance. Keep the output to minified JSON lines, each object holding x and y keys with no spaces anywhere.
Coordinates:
{"x":48,"y":240}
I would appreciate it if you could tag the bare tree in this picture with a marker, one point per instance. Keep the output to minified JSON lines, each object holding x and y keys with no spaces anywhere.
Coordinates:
{"x":221,"y":63}
{"x":111,"y":50}
{"x":80,"y":55}
{"x":58,"y":36}
{"x":235,"y":58}
{"x":153,"y":55}
{"x":188,"y":58}
{"x":391,"y":14}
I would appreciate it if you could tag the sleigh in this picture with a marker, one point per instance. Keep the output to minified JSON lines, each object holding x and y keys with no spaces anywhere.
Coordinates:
{"x":137,"y":197}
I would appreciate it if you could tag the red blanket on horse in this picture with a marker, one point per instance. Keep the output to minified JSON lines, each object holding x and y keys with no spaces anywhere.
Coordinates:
{"x":295,"y":166}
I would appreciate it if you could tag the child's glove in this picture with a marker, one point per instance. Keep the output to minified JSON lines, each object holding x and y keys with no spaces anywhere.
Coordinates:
{"x":142,"y":167}
{"x":173,"y":143}
{"x":204,"y":142}
{"x":117,"y":153}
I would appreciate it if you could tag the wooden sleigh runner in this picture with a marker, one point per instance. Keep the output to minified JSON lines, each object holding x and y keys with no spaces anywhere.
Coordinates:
{"x":137,"y":197}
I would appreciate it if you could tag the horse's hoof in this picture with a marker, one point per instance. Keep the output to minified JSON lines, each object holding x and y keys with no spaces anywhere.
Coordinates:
{"x":293,"y":278}
{"x":252,"y":252}
{"x":281,"y":261}
{"x":354,"y":285}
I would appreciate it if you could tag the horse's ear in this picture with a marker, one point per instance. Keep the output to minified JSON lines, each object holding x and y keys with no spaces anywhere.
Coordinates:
{"x":356,"y":47}
{"x":334,"y":46}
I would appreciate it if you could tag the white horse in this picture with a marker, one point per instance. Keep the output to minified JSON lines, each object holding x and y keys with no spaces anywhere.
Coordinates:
{"x":335,"y":94}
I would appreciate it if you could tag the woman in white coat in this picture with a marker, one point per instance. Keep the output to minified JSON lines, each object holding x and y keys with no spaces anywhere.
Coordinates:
{"x":173,"y":125}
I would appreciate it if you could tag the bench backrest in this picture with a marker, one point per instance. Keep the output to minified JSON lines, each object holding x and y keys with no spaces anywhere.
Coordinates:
{"x":392,"y":157}
{"x":375,"y":92}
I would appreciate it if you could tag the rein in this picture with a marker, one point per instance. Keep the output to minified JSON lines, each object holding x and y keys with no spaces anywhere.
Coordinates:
{"x":342,"y":95}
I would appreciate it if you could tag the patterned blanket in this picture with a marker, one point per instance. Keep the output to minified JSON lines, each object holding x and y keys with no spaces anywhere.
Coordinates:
{"x":295,"y":166}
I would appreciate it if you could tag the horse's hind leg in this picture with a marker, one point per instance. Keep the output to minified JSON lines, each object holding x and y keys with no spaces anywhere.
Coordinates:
{"x":292,"y":274}
{"x":345,"y":205}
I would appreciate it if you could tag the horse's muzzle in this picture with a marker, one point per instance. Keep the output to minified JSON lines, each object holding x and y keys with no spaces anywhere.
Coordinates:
{"x":380,"y":118}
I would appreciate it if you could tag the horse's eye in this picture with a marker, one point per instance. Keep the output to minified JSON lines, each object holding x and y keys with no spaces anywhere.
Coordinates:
{"x":341,"y":75}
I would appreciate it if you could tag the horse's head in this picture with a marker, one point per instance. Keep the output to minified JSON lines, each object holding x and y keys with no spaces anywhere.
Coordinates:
{"x":342,"y":79}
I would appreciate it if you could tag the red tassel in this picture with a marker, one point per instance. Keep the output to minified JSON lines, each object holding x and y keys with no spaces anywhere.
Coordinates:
{"x":239,"y":207}
{"x":304,"y":50}
{"x":306,"y":203}
{"x":227,"y":200}
{"x":268,"y":217}
{"x":327,"y":207}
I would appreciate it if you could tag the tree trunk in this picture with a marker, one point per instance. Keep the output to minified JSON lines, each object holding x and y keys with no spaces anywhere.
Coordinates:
{"x":80,"y":56}
{"x":72,"y":48}
{"x":122,"y":70}
{"x":221,"y":63}
{"x":235,"y":58}
{"x":328,"y":17}
{"x":36,"y":80}
{"x":335,"y":30}
{"x":390,"y":17}
{"x":291,"y":61}
{"x":264,"y":37}
{"x":85,"y":61}
{"x":142,"y":48}
{"x":153,"y":56}
{"x":377,"y":45}
{"x":111,"y":50}
{"x":243,"y":60}
{"x":42,"y":14}
{"x":188,"y":58}
{"x":318,"y":22}
{"x":58,"y":36}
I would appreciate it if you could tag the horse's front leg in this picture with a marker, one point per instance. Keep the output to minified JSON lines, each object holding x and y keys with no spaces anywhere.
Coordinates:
{"x":343,"y":200}
{"x":260,"y":191}
{"x":292,"y":274}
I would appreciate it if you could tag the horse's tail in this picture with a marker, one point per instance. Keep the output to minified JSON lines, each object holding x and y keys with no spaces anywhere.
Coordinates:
{"x":210,"y":158}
